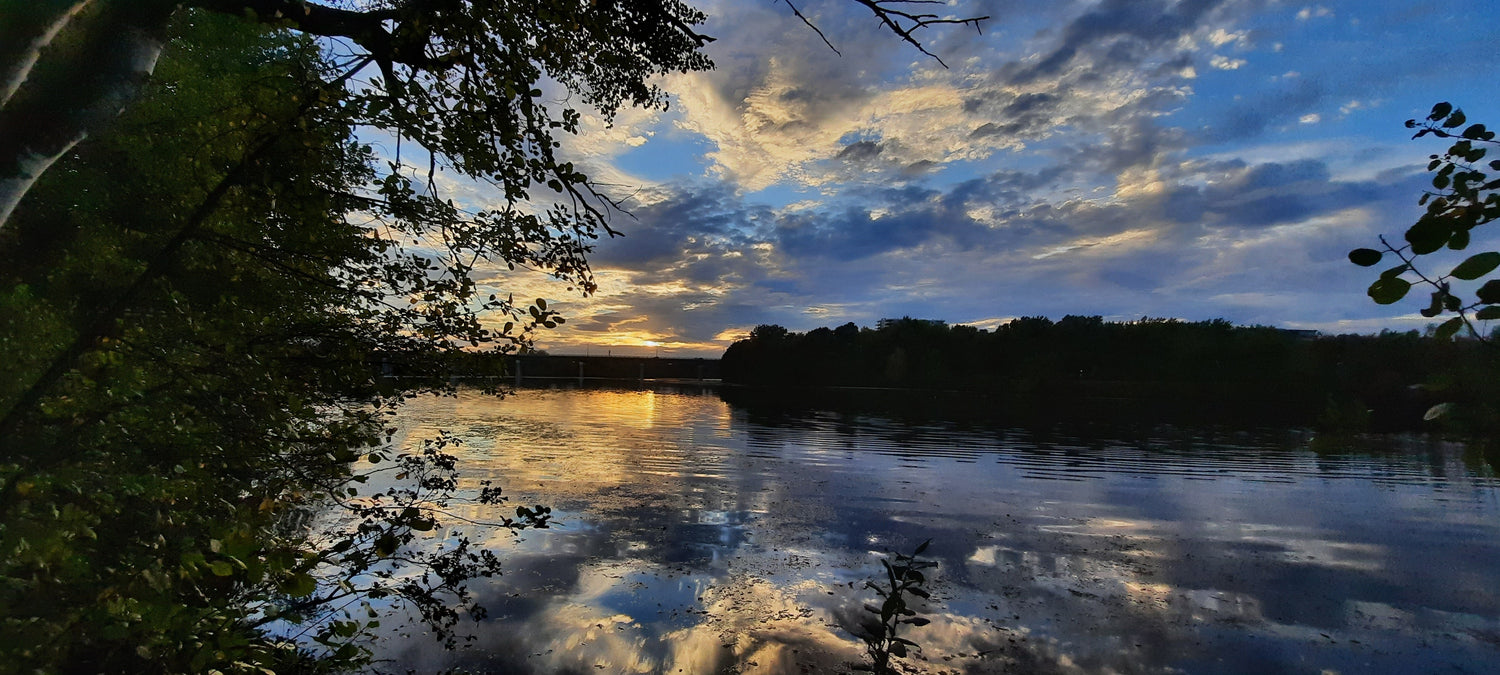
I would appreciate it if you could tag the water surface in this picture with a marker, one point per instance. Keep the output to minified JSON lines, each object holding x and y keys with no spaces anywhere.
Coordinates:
{"x":696,"y":537}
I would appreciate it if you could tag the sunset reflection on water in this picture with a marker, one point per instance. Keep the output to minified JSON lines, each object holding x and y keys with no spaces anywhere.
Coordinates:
{"x":696,"y":537}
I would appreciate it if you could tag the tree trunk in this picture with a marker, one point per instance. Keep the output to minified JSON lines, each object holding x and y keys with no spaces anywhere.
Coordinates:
{"x":66,"y":68}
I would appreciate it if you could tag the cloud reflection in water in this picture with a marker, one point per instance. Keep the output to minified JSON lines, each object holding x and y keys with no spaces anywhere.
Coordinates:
{"x":700,"y":538}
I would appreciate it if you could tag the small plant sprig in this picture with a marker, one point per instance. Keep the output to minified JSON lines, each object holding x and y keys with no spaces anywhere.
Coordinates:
{"x":1463,"y":198}
{"x":902,"y":579}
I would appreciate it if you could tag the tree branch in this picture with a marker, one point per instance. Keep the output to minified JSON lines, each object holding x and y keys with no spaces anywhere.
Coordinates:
{"x":810,"y":24}
{"x":905,"y":24}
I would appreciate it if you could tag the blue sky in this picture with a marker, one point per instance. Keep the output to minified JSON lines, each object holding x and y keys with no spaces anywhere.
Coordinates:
{"x":1196,"y":159}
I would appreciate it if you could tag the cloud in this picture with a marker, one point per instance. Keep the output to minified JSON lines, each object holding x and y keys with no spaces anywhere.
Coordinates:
{"x":1193,"y":158}
{"x":709,"y":259}
{"x":792,"y":112}
{"x":1225,"y":63}
{"x":1266,"y":194}
{"x":1119,"y":31}
{"x":860,"y":151}
{"x":1318,"y":12}
{"x":1287,"y":99}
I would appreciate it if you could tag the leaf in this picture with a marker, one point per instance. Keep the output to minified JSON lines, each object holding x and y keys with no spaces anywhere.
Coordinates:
{"x":1477,"y":266}
{"x":1436,"y":307}
{"x":1489,"y":293}
{"x":1428,"y":235}
{"x":1448,"y":329}
{"x":1491,"y":312}
{"x":1437,"y":411}
{"x":917,"y":621}
{"x":386,"y":544}
{"x":221,"y":568}
{"x":300,"y":585}
{"x":1440,"y":111}
{"x":1365,"y":257}
{"x":923,"y":546}
{"x":1395,"y":271}
{"x":1389,"y":291}
{"x":1454,"y":120}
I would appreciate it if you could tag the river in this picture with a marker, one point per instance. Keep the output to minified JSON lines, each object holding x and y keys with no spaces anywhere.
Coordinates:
{"x":695,"y":536}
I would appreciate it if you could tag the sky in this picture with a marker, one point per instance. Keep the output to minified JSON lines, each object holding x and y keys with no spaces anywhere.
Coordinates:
{"x":1195,"y":159}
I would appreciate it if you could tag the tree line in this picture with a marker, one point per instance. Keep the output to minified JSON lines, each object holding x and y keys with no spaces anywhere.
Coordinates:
{"x":1389,"y":380}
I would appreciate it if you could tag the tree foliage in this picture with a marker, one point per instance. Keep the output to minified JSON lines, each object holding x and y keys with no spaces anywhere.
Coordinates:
{"x":1033,"y":368}
{"x":192,"y":302}
{"x":1463,"y":197}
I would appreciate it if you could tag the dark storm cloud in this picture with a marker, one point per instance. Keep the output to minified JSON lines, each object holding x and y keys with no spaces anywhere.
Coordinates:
{"x":853,"y":233}
{"x":912,"y":216}
{"x":1284,"y":104}
{"x":860,"y":151}
{"x":1030,"y":104}
{"x":1122,"y":31}
{"x":1027,"y":115}
{"x":1133,"y":142}
{"x":918,"y":167}
{"x":661,"y":232}
{"x":1269,"y":194}
{"x":1005,"y":190}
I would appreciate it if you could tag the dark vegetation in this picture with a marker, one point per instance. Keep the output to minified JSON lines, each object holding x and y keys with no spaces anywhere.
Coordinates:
{"x":898,"y":592}
{"x":187,"y":314}
{"x":1173,"y":370}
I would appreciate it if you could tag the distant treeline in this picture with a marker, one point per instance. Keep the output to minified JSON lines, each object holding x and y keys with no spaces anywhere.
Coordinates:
{"x":1385,"y":381}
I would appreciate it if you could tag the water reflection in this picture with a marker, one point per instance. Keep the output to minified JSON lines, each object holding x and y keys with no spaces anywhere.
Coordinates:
{"x":697,"y":537}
